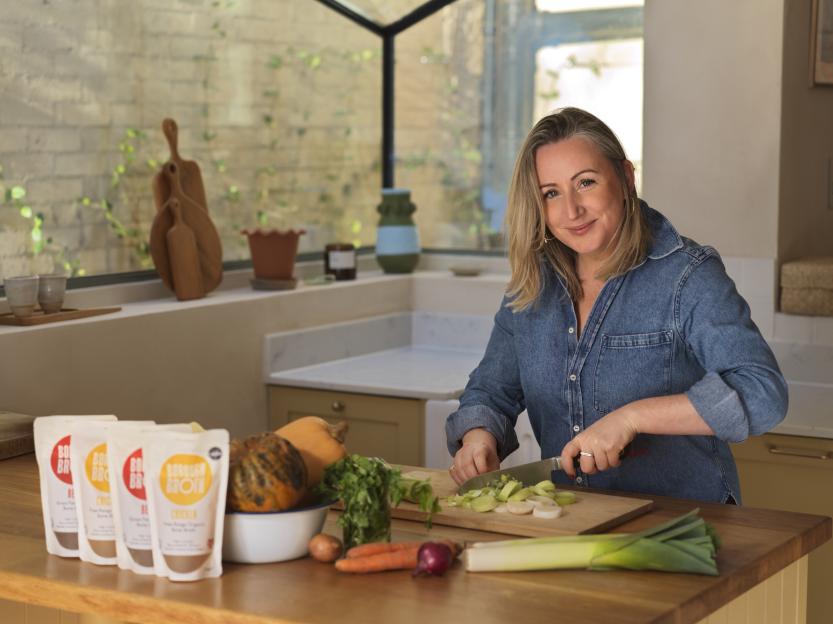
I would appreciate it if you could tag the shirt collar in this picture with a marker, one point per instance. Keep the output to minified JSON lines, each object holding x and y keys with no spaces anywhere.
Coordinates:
{"x":666,"y":240}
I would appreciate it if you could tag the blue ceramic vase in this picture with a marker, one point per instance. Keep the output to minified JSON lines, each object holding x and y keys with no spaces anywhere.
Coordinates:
{"x":397,"y":238}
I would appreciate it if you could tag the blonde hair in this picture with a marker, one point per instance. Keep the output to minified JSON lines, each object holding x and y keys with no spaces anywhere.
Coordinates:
{"x":529,"y":240}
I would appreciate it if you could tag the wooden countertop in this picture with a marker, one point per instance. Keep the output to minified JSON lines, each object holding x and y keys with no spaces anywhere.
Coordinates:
{"x":756,"y":544}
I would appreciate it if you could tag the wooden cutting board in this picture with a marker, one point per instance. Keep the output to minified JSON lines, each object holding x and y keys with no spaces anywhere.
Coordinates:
{"x":189,"y":171}
{"x":591,"y":513}
{"x":209,"y":246}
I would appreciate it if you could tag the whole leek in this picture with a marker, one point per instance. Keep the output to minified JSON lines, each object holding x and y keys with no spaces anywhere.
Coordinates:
{"x":684,"y":544}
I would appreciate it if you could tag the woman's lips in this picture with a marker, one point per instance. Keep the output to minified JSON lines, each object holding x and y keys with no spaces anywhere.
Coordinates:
{"x":582,"y":229}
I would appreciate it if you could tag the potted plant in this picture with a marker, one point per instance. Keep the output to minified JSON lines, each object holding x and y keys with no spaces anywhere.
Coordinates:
{"x":273,"y":252}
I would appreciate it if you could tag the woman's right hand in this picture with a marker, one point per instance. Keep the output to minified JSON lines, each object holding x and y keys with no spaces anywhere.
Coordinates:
{"x":477,"y":455}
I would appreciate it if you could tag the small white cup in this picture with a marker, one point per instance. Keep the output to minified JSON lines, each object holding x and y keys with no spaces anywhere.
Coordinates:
{"x":22,"y":294}
{"x":51,"y":289}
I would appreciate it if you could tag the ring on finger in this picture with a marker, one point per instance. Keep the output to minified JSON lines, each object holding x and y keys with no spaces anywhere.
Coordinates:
{"x":585,"y":453}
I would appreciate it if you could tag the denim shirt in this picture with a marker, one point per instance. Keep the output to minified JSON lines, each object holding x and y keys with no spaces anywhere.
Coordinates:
{"x":673,"y":324}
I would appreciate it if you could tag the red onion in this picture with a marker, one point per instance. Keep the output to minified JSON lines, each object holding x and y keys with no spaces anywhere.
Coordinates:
{"x":433,"y":558}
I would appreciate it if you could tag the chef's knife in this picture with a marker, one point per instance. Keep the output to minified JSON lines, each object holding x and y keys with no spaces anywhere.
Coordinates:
{"x":528,"y":474}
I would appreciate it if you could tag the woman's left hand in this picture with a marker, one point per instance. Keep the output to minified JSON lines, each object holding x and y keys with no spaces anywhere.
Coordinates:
{"x":600,"y":445}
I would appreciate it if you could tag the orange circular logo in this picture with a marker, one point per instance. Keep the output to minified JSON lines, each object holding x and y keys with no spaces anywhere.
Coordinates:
{"x":96,"y":468}
{"x":185,"y":479}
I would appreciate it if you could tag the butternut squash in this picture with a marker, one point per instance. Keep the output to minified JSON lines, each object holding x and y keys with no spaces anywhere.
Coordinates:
{"x":319,"y":443}
{"x":266,"y":473}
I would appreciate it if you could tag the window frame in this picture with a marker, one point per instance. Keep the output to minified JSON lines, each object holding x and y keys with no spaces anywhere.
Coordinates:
{"x":514,"y":70}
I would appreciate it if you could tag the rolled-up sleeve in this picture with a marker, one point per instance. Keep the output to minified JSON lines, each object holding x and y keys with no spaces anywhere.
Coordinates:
{"x":493,"y":397}
{"x":743,"y":392}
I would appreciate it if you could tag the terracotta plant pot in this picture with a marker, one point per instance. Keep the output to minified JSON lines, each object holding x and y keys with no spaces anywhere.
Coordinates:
{"x":273,"y":252}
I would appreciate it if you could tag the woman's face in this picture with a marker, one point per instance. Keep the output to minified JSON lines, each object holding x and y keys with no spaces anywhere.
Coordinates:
{"x":583,"y":196}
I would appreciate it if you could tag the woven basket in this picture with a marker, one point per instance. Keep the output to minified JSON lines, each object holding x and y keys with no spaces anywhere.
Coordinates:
{"x":807,"y":287}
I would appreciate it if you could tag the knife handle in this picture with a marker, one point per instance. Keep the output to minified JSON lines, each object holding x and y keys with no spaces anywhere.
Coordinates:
{"x":623,"y":454}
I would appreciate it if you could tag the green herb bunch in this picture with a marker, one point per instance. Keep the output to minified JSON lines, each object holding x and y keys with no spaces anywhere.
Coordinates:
{"x":367,"y":487}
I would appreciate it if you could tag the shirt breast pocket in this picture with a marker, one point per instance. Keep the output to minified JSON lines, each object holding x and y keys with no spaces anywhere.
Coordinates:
{"x":632,"y":367}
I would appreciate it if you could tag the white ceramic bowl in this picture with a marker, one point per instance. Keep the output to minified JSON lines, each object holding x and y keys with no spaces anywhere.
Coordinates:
{"x":266,"y":537}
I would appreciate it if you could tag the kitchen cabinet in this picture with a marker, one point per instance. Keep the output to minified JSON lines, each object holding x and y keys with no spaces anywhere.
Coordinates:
{"x":394,"y":428}
{"x":794,"y":473}
{"x":389,"y":427}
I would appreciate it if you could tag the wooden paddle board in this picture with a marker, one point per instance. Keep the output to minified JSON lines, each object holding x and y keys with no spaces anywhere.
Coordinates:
{"x":591,"y":513}
{"x":209,"y":245}
{"x":183,"y":256}
{"x":189,"y":172}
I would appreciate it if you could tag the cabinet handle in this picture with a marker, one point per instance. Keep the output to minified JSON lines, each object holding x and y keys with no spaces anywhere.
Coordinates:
{"x":798,"y":452}
{"x":337,"y":406}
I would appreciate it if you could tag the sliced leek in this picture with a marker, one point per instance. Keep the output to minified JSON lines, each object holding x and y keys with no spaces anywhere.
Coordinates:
{"x":495,"y":496}
{"x":547,"y":512}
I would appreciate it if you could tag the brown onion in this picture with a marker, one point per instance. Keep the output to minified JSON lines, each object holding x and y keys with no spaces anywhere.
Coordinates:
{"x":325,"y":548}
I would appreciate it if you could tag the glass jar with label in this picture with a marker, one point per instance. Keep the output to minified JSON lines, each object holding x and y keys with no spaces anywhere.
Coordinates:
{"x":340,"y":261}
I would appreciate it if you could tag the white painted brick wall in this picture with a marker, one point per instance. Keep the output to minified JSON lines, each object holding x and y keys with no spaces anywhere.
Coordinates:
{"x":75,"y":75}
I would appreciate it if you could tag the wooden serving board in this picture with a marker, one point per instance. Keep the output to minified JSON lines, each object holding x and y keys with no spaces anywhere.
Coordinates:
{"x":591,"y":513}
{"x":209,"y":246}
{"x":39,"y":317}
{"x":16,"y":436}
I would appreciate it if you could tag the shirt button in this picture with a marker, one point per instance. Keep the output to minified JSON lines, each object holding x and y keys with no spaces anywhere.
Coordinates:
{"x":572,"y":377}
{"x":572,"y":330}
{"x":576,"y":428}
{"x":579,"y":479}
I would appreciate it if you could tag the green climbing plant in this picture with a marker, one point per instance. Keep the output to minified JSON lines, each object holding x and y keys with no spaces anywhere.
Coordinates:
{"x":130,"y":147}
{"x":16,"y":196}
{"x":457,"y":160}
{"x":279,"y":194}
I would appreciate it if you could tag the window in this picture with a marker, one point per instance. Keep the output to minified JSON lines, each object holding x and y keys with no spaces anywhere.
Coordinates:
{"x":279,"y":103}
{"x":584,"y":53}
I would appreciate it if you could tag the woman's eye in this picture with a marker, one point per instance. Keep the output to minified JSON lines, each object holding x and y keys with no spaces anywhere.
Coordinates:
{"x":586,"y":182}
{"x":551,"y":194}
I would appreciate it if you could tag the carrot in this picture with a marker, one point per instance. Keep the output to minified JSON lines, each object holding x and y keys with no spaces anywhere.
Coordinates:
{"x":375,"y":548}
{"x":402,"y":559}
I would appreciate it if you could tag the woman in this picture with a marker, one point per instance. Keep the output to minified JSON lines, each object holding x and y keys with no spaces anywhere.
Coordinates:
{"x":615,"y":329}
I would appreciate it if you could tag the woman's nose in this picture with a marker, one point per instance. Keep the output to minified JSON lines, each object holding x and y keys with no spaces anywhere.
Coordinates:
{"x":572,"y":206}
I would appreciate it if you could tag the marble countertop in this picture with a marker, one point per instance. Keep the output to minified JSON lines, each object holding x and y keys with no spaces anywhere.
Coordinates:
{"x":417,"y":371}
{"x":429,"y":355}
{"x":420,"y":355}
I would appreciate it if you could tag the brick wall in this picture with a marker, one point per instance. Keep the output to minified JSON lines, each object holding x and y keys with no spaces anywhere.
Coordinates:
{"x":279,"y":101}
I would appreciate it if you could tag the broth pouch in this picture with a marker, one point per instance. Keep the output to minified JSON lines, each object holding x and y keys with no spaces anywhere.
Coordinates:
{"x":130,"y":510}
{"x":93,"y":496}
{"x":186,"y":475}
{"x":53,"y":435}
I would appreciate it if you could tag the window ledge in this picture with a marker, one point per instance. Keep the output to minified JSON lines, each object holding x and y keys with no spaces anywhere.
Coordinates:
{"x":147,"y":298}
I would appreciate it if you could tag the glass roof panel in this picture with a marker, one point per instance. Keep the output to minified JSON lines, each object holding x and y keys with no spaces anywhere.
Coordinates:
{"x":566,"y":6}
{"x":382,"y":12}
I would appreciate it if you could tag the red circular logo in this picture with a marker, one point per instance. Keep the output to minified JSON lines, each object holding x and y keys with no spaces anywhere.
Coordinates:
{"x":133,"y":474}
{"x":60,"y":460}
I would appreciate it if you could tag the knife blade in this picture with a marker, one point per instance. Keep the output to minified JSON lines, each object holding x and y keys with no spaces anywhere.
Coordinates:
{"x":528,"y":474}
